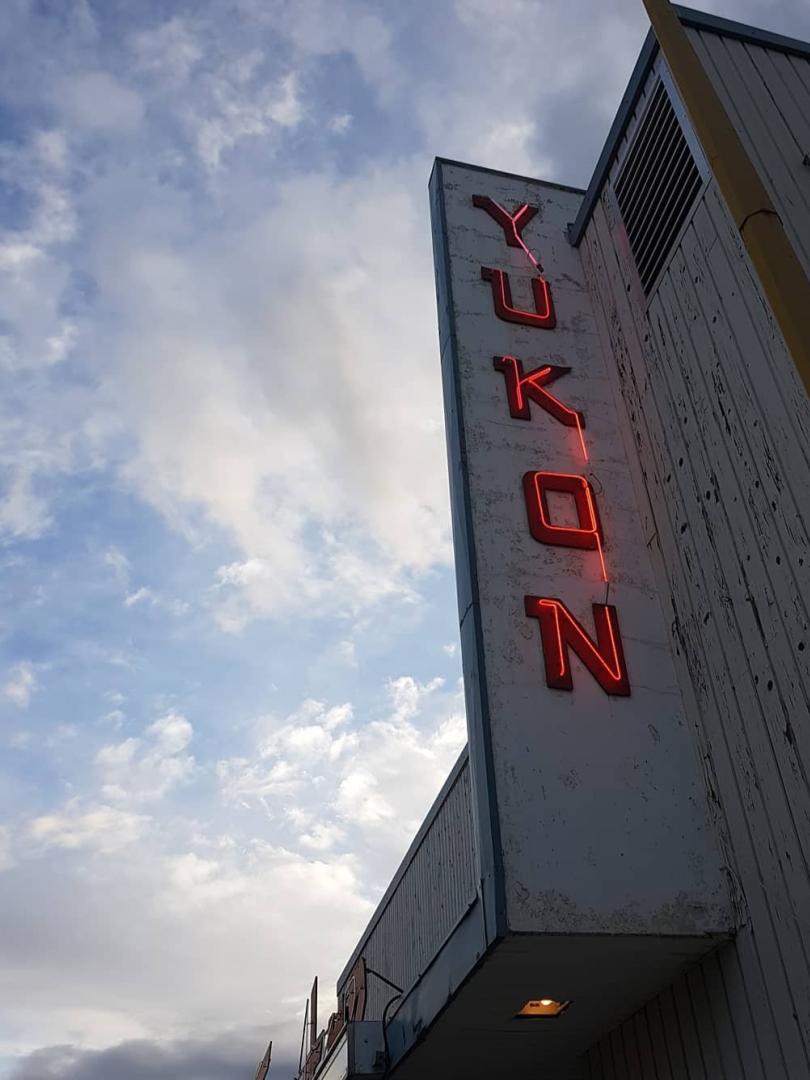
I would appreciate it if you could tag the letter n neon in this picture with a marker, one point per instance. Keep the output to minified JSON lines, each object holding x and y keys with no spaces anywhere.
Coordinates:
{"x":560,"y":632}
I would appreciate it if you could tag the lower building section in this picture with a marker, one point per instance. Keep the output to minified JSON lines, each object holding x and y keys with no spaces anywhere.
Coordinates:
{"x":479,"y":1034}
{"x":715,"y":1021}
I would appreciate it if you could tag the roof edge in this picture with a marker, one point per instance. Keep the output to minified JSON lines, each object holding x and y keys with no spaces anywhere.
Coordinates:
{"x":508,"y":175}
{"x":701,"y":20}
{"x":697,"y":20}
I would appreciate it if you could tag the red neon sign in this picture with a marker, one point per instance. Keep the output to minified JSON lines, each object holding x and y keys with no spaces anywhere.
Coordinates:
{"x":512,"y":224}
{"x":520,"y":389}
{"x":560,"y":631}
{"x":587,"y":535}
{"x":543,"y":317}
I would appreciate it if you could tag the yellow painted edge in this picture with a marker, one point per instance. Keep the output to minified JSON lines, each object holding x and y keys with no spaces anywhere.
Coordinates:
{"x":781,"y":274}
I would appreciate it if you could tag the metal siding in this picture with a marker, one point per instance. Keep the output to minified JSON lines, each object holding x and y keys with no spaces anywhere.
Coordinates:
{"x":690,"y":1032}
{"x":721,"y":429}
{"x":435,"y":890}
{"x":767,"y":94}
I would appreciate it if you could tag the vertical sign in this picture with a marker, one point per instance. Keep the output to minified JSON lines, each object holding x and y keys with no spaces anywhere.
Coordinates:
{"x":586,"y":782}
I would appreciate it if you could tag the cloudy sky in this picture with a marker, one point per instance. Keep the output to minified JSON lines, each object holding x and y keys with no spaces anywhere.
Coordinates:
{"x":228,"y":653}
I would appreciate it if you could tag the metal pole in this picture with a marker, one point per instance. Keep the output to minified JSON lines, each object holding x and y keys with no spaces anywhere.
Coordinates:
{"x":781,"y":274}
{"x":303,"y":1039}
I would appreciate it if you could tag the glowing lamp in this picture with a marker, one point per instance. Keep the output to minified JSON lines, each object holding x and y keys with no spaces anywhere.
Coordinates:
{"x":542,"y":1008}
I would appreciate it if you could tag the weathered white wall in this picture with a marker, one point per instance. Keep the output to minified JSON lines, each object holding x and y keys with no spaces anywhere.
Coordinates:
{"x":599,"y":800}
{"x":767,"y":94}
{"x":721,"y":429}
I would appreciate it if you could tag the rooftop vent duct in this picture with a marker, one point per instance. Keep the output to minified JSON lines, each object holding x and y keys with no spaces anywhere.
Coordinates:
{"x":656,"y":187}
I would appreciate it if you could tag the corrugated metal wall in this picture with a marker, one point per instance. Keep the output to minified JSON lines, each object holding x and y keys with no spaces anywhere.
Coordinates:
{"x":721,"y":427}
{"x":438,"y":883}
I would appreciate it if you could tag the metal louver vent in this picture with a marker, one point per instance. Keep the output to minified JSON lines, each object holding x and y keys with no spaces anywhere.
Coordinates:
{"x":656,"y":187}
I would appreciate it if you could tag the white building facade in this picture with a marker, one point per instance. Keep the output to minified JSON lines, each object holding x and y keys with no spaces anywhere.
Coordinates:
{"x":615,"y":880}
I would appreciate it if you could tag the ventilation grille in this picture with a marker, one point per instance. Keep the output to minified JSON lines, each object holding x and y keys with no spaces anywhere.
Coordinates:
{"x":656,"y":187}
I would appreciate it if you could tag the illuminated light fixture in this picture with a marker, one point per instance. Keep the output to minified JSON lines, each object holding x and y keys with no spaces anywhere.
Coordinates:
{"x":542,"y":1009}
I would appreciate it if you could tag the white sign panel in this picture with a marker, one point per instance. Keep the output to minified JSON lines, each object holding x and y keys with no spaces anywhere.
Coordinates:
{"x":591,"y":806}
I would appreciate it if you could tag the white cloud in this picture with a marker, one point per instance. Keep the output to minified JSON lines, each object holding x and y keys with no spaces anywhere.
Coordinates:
{"x":322,"y":837}
{"x":20,"y":684}
{"x":294,"y":434}
{"x":98,"y":827}
{"x":137,"y":597}
{"x":153,"y":942}
{"x":376,"y":777}
{"x":347,"y":653}
{"x":51,"y":148}
{"x":360,"y":800}
{"x":145,"y":769}
{"x":23,"y":513}
{"x":318,"y":27}
{"x":341,"y":123}
{"x":37,"y":334}
{"x":172,"y":733}
{"x":147,"y":597}
{"x":287,"y":757}
{"x":199,"y":882}
{"x":114,"y":718}
{"x":6,"y":858}
{"x":170,"y":50}
{"x":98,"y":101}
{"x":118,"y":563}
{"x":235,"y":112}
{"x":61,"y":733}
{"x":401,"y":761}
{"x":242,"y":779}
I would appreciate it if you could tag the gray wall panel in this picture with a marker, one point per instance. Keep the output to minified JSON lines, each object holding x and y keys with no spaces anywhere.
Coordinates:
{"x":721,"y":429}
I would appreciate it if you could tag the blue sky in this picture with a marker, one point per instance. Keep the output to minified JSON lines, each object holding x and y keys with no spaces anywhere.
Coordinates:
{"x":228,"y":652}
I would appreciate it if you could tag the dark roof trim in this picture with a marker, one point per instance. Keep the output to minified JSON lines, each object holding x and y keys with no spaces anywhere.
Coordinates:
{"x":698,"y":20}
{"x":438,"y":802}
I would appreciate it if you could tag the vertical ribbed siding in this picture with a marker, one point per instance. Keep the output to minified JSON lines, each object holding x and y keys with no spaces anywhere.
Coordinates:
{"x":437,"y":886}
{"x":690,"y":1032}
{"x":767,"y":94}
{"x":721,"y":430}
